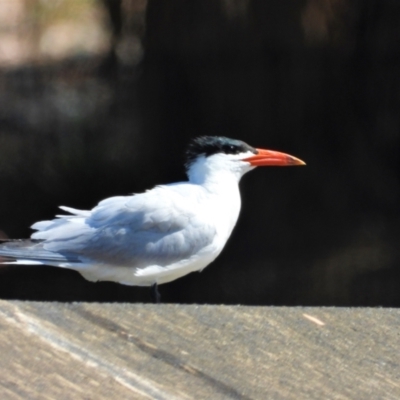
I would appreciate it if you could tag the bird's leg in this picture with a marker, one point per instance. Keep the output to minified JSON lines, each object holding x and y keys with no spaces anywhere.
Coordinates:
{"x":155,"y":294}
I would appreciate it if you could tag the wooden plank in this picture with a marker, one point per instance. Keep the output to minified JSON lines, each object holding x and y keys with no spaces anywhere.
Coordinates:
{"x":95,"y":351}
{"x":32,"y":367}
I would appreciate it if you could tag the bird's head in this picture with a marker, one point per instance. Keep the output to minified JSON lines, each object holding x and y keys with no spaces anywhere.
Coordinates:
{"x":220,"y":155}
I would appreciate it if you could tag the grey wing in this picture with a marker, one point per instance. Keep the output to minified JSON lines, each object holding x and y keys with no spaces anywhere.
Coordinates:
{"x":154,"y":228}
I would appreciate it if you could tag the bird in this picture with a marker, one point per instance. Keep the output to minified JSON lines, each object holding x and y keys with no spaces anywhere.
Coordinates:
{"x":157,"y":236}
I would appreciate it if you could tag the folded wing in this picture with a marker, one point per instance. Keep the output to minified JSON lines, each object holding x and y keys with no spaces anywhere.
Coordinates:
{"x":153,"y":228}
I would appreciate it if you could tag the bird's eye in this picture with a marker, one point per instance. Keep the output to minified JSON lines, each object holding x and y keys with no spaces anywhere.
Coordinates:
{"x":229,"y":148}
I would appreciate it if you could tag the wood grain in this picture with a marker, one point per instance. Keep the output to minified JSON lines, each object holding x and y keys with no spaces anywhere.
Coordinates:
{"x":138,"y":351}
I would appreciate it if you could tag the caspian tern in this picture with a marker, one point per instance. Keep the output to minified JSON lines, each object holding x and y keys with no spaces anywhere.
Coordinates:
{"x":154,"y":237}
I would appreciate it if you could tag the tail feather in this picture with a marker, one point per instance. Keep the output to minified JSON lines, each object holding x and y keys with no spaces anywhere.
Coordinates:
{"x":32,"y":250}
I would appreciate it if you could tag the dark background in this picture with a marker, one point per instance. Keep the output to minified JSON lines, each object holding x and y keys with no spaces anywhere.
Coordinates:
{"x":319,"y":79}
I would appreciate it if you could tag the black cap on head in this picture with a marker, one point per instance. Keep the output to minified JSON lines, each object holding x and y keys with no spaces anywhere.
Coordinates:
{"x":209,"y":145}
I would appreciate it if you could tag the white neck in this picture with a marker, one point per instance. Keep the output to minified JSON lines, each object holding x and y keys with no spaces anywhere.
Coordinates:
{"x":220,"y":177}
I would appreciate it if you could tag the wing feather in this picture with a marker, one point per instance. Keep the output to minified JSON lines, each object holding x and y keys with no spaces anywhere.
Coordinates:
{"x":157,"y":227}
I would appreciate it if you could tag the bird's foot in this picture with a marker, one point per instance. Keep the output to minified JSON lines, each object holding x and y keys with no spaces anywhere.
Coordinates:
{"x":155,"y":294}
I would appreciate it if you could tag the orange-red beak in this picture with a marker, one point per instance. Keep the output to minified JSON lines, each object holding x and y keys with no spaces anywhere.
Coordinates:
{"x":270,"y":158}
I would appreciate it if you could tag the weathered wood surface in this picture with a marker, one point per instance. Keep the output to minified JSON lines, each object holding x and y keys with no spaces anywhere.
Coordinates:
{"x":136,"y":351}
